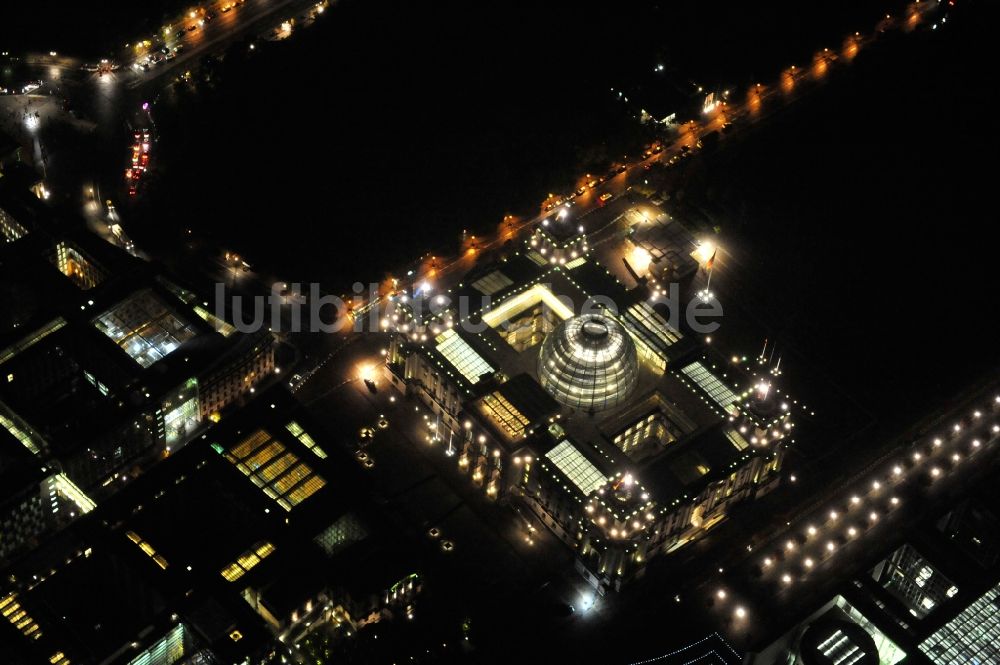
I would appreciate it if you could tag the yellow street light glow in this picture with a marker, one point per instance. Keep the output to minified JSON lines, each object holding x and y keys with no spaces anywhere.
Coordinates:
{"x":366,"y":372}
{"x":640,"y":259}
{"x":705,"y":251}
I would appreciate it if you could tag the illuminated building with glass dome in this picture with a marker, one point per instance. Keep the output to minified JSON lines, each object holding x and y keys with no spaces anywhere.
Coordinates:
{"x":563,"y":391}
{"x":589,"y":363}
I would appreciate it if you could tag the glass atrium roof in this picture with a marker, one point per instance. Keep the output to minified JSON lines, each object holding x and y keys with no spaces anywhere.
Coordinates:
{"x":144,"y":328}
{"x":587,"y":477}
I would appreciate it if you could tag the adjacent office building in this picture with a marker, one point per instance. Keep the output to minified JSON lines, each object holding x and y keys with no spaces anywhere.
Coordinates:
{"x":107,"y":363}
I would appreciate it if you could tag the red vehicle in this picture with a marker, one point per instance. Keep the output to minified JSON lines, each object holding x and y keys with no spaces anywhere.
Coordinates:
{"x":141,"y":149}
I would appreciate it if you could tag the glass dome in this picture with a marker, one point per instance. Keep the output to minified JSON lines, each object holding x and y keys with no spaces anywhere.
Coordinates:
{"x":588,"y":362}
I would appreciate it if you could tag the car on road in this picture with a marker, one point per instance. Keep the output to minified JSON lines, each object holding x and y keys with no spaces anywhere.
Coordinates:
{"x":372,"y":388}
{"x":605,"y":197}
{"x":581,"y":191}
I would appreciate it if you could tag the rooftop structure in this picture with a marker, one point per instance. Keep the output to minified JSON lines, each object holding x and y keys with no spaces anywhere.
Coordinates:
{"x":107,"y":363}
{"x":193,"y":558}
{"x":589,"y":362}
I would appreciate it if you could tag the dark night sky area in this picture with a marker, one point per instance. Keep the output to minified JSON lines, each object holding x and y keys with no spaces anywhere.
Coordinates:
{"x":389,"y":127}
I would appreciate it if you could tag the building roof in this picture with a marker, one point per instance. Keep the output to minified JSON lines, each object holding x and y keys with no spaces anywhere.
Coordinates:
{"x":88,"y":606}
{"x":687,"y":466}
{"x":20,"y":470}
{"x":574,"y":465}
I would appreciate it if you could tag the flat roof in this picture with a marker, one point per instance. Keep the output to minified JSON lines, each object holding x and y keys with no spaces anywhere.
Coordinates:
{"x":20,"y":470}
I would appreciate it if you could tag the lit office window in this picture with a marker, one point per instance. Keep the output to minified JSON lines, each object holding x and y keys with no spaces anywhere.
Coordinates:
{"x":72,"y":263}
{"x":296,"y":430}
{"x":147,"y":549}
{"x":10,"y":228}
{"x":32,"y":339}
{"x":504,"y":414}
{"x":246,"y":561}
{"x":342,"y":533}
{"x":911,"y":578}
{"x":169,"y":649}
{"x":971,"y":637}
{"x":277,"y":471}
{"x":17,"y":616}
